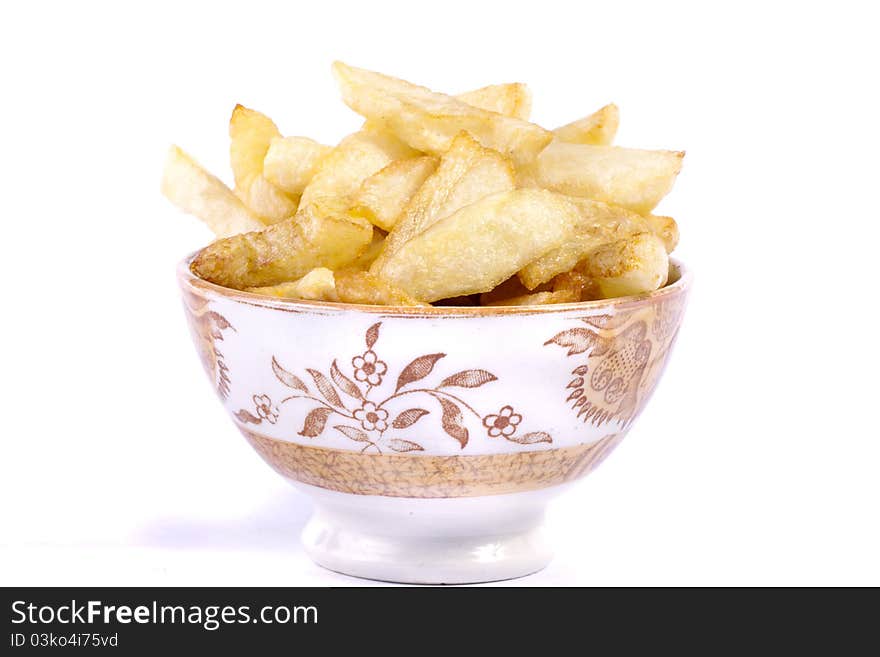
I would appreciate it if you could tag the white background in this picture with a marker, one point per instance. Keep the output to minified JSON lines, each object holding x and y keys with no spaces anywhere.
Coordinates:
{"x":757,"y":460}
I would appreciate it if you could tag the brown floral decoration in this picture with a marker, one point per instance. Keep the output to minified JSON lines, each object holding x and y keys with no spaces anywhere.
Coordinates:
{"x":386,"y":423}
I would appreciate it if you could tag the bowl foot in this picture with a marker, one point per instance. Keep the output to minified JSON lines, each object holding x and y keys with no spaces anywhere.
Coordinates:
{"x":429,"y":541}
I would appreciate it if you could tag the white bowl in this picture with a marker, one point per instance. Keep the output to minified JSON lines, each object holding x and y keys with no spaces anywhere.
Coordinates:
{"x":431,"y":439}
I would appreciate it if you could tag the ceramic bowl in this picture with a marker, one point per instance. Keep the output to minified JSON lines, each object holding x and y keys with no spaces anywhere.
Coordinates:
{"x":431,"y":439}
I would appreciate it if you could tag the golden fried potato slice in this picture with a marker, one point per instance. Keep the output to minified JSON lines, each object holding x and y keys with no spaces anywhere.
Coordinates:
{"x":537,"y":299}
{"x":429,"y":121}
{"x":322,"y":234}
{"x":291,"y":162}
{"x":665,"y":228}
{"x":197,"y":192}
{"x":250,"y":134}
{"x":576,"y":284}
{"x":354,"y":286}
{"x":598,"y":224}
{"x":509,"y":289}
{"x":383,"y":196}
{"x":597,"y":129}
{"x":373,"y":250}
{"x":512,"y":99}
{"x":318,"y":285}
{"x":467,"y":172}
{"x":631,"y":178}
{"x":480,"y":245}
{"x":631,"y":266}
{"x":343,"y":170}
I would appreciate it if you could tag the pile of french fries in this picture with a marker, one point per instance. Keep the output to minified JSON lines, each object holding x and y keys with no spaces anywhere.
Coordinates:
{"x":437,"y":199}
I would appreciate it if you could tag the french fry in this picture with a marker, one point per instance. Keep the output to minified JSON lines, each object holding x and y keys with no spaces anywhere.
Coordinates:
{"x":291,"y":162}
{"x":597,"y":129}
{"x":509,"y":289}
{"x":318,"y":285}
{"x":480,"y":245}
{"x":322,"y":234}
{"x":362,"y":287}
{"x":343,"y":170}
{"x":537,"y":299}
{"x":429,"y":121}
{"x":467,"y":172}
{"x":598,"y":224}
{"x":384,"y":195}
{"x":250,"y":134}
{"x":577,"y":285}
{"x":631,"y":178}
{"x":197,"y":192}
{"x":665,"y":228}
{"x":631,"y":266}
{"x":369,"y":254}
{"x":513,"y":99}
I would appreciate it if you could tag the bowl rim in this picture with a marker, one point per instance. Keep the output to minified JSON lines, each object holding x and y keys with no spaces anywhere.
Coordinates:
{"x":188,"y":278}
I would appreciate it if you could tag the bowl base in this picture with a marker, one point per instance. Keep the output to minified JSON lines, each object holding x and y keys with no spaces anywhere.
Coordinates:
{"x":429,"y":541}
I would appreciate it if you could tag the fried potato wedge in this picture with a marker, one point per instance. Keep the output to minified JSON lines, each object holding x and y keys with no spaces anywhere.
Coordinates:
{"x":509,"y":289}
{"x":343,"y":170}
{"x":354,"y":286}
{"x":480,"y":245}
{"x":537,"y":299}
{"x":199,"y":193}
{"x":467,"y":172}
{"x":322,"y":234}
{"x":512,"y":99}
{"x":598,"y":224}
{"x":597,"y":129}
{"x":383,"y":196}
{"x":665,"y":228}
{"x":577,"y":285}
{"x":429,"y":121}
{"x":369,"y":254}
{"x":250,"y":133}
{"x":318,"y":285}
{"x":291,"y":162}
{"x":631,"y":178}
{"x":632,"y":266}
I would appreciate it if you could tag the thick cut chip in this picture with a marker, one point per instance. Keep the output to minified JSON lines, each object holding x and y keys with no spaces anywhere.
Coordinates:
{"x":384,"y":195}
{"x":429,"y":121}
{"x":480,"y":245}
{"x":343,"y":170}
{"x":537,"y":299}
{"x":250,"y":134}
{"x":354,"y":286}
{"x":632,"y":266}
{"x":369,"y":254}
{"x":322,"y":234}
{"x":665,"y":228}
{"x":598,"y":224}
{"x":577,"y":284}
{"x":467,"y":173}
{"x":509,"y":289}
{"x":597,"y":129}
{"x":513,"y":99}
{"x":318,"y":285}
{"x":291,"y":162}
{"x":194,"y":190}
{"x":631,"y":178}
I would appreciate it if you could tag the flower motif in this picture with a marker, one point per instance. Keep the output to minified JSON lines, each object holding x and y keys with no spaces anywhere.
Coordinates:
{"x":502,"y":424}
{"x":372,"y":418}
{"x":264,"y":408}
{"x":369,"y":368}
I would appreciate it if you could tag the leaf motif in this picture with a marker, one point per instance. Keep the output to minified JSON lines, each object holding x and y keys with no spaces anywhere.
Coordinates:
{"x":531,"y":438}
{"x":287,"y":378}
{"x":353,"y":433}
{"x":452,"y":421}
{"x":247,"y":417}
{"x":373,"y":334}
{"x":408,"y":418}
{"x":345,"y":384}
{"x":315,"y":422}
{"x":418,"y":369}
{"x":578,"y":340}
{"x":326,"y":388}
{"x":221,"y":322}
{"x":468,"y":379}
{"x":580,"y":370}
{"x":399,"y":445}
